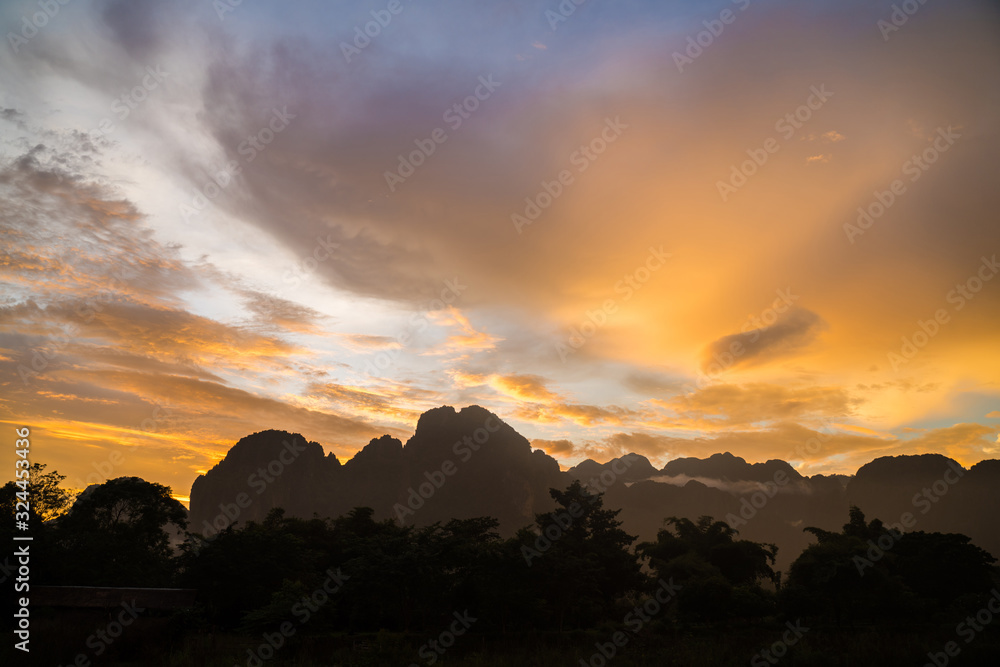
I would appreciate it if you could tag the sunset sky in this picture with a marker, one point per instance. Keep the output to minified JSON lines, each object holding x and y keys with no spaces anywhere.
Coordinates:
{"x":615,"y":228}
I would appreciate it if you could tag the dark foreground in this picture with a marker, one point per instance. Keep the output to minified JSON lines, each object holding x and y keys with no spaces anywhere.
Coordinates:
{"x":61,"y":637}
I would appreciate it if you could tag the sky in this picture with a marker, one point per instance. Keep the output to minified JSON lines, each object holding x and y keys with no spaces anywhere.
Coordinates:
{"x":669,"y":228}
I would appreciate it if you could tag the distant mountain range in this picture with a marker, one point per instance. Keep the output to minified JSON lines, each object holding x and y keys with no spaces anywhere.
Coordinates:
{"x":469,"y":463}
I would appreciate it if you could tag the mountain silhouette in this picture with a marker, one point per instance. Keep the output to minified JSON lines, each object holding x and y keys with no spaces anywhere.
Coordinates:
{"x":458,"y":464}
{"x":726,"y":466}
{"x":469,"y":463}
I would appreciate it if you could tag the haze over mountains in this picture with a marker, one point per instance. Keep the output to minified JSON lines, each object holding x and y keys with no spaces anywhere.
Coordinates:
{"x":468,"y":463}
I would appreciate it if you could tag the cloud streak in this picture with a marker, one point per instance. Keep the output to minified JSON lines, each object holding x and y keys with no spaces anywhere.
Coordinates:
{"x":791,"y":333}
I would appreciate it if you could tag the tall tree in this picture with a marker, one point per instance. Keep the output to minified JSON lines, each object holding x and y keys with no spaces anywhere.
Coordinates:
{"x":721,"y":575}
{"x":116,"y":534}
{"x":870,"y":572}
{"x":580,"y":557}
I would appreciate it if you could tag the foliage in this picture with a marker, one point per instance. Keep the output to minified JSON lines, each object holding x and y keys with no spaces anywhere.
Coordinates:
{"x":579,"y":559}
{"x":868,"y":572}
{"x":722,"y":575}
{"x":115,"y":535}
{"x":574,"y":571}
{"x":46,"y":500}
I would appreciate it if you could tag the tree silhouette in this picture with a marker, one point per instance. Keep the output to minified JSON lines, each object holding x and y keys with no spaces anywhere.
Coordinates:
{"x":580,"y":557}
{"x":46,"y":499}
{"x":842,"y":577}
{"x":238,"y":571}
{"x":942,"y":567}
{"x":114,"y":535}
{"x":721,"y":575}
{"x":876,"y":574}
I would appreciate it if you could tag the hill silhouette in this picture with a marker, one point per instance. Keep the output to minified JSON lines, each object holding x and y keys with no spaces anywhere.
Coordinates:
{"x":469,"y":463}
{"x":458,"y":464}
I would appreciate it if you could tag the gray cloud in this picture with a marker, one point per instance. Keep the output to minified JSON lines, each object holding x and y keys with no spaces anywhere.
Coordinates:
{"x":792,"y":332}
{"x":278,"y":313}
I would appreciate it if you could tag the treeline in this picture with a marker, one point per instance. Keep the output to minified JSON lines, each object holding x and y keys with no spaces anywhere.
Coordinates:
{"x":575,"y":568}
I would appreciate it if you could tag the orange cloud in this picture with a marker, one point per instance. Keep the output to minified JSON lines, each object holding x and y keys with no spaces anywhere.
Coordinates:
{"x":554,"y":448}
{"x":529,"y":388}
{"x":726,"y":405}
